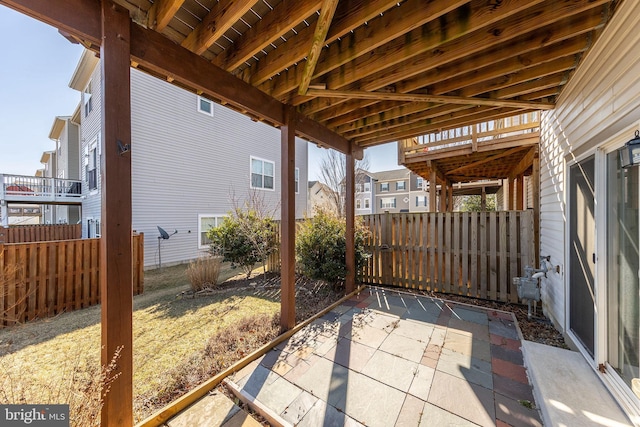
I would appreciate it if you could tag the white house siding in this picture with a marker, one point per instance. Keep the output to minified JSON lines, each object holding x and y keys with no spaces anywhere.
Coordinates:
{"x":601,"y":101}
{"x":186,"y":163}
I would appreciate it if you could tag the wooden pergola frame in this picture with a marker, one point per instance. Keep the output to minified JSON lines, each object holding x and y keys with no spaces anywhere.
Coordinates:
{"x":121,"y":41}
{"x":376,"y":71}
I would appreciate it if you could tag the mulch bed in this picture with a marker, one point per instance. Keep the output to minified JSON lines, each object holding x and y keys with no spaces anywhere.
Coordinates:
{"x":312,"y":296}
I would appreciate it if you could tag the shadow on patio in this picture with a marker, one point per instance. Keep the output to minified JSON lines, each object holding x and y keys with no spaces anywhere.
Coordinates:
{"x":386,"y":358}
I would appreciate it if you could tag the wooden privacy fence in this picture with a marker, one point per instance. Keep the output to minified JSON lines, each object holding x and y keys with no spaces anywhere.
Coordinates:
{"x":43,"y":279}
{"x":467,"y":253}
{"x":40,"y":233}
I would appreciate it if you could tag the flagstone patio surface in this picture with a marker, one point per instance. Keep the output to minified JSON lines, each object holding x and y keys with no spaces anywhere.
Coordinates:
{"x":386,"y":358}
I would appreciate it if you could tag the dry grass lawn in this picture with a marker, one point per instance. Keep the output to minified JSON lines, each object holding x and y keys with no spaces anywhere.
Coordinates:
{"x":168,"y":328}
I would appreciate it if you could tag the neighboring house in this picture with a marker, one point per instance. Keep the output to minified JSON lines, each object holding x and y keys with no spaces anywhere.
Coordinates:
{"x":65,"y":132}
{"x":365,"y":193}
{"x":320,"y":197}
{"x":590,"y":209}
{"x":191,"y":183}
{"x":49,"y":160}
{"x":23,"y":214}
{"x":399,"y":191}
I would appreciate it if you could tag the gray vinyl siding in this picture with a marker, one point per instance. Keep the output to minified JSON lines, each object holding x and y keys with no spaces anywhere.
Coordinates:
{"x":186,"y":163}
{"x":90,"y":130}
{"x":600,"y":103}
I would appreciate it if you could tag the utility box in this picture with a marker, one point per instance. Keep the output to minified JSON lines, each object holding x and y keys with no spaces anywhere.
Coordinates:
{"x":527,"y":288}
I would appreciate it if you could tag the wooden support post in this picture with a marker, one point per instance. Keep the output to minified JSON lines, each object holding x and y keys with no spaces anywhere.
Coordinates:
{"x":535,"y":176}
{"x":288,"y":224}
{"x":116,"y":272}
{"x":350,"y":282}
{"x":432,"y":191}
{"x":512,"y":187}
{"x":520,"y":192}
{"x":449,"y":196}
{"x":483,"y":200}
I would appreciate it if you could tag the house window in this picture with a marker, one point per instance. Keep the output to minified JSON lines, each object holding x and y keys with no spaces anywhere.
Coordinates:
{"x":421,"y":201}
{"x":384,"y":186}
{"x":366,"y":203}
{"x":367,"y":187}
{"x":205,"y":106}
{"x":262,"y":174}
{"x":358,"y":204}
{"x":205,"y":223}
{"x":297,"y":180}
{"x":88,"y":100}
{"x":388,"y":202}
{"x":359,"y":188}
{"x":401,"y":185}
{"x":420,"y":183}
{"x":92,"y":165}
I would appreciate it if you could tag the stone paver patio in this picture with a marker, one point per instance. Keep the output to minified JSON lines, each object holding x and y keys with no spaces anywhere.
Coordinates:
{"x":386,"y":358}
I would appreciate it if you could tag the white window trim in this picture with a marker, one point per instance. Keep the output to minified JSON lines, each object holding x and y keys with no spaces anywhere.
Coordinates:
{"x":251,"y":158}
{"x":296,"y":177}
{"x":200,"y":230}
{"x":87,"y":94}
{"x":404,"y":183}
{"x":93,"y":145}
{"x":367,"y":203}
{"x":200,"y":110}
{"x":382,"y":203}
{"x":358,"y":204}
{"x":388,"y":187}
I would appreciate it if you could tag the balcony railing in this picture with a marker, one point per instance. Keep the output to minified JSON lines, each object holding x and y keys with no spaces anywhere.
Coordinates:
{"x":471,"y":136}
{"x":35,"y":189}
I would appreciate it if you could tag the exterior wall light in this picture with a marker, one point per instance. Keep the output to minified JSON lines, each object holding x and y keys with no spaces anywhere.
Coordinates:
{"x":630,"y":153}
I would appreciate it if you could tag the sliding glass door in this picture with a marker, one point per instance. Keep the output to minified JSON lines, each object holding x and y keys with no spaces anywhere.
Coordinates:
{"x":623,"y":296}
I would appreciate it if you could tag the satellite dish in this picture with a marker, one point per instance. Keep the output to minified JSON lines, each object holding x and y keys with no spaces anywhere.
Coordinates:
{"x":163,"y":234}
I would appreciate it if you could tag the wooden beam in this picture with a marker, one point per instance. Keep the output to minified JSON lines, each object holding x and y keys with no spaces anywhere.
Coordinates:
{"x":318,"y":42}
{"x":512,"y":188}
{"x":315,"y":132}
{"x":432,"y":190}
{"x":520,"y":192}
{"x":349,"y":14}
{"x":536,"y":206}
{"x":161,"y":13}
{"x":409,"y":97}
{"x":288,"y":223}
{"x":222,"y":16}
{"x":524,"y":163}
{"x":116,"y":271}
{"x":454,"y":62}
{"x":486,"y":160}
{"x":275,"y":24}
{"x":379,"y":31}
{"x":350,"y":280}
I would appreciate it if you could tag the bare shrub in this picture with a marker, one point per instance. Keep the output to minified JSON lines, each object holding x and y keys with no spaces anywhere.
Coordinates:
{"x":82,"y":385}
{"x":203,"y":273}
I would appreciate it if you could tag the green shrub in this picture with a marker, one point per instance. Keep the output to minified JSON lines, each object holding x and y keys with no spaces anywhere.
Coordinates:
{"x":244,"y":239}
{"x":321,"y":247}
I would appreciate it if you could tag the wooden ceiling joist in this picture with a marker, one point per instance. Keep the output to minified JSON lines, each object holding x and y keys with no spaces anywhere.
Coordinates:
{"x":298,"y":46}
{"x":486,"y":160}
{"x":223,"y":15}
{"x":443,"y":99}
{"x":161,"y":13}
{"x":284,"y":16}
{"x":319,"y":39}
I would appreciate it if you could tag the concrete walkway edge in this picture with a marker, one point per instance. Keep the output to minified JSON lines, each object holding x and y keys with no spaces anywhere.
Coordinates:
{"x":568,"y":390}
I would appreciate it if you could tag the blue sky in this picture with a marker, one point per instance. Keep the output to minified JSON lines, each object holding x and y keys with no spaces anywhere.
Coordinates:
{"x":36,"y":64}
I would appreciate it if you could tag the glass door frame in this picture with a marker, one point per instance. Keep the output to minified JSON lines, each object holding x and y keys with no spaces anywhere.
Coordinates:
{"x":615,"y":383}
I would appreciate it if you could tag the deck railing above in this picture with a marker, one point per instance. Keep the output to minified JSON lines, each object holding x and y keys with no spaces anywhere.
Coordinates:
{"x":472,"y":135}
{"x":37,"y":189}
